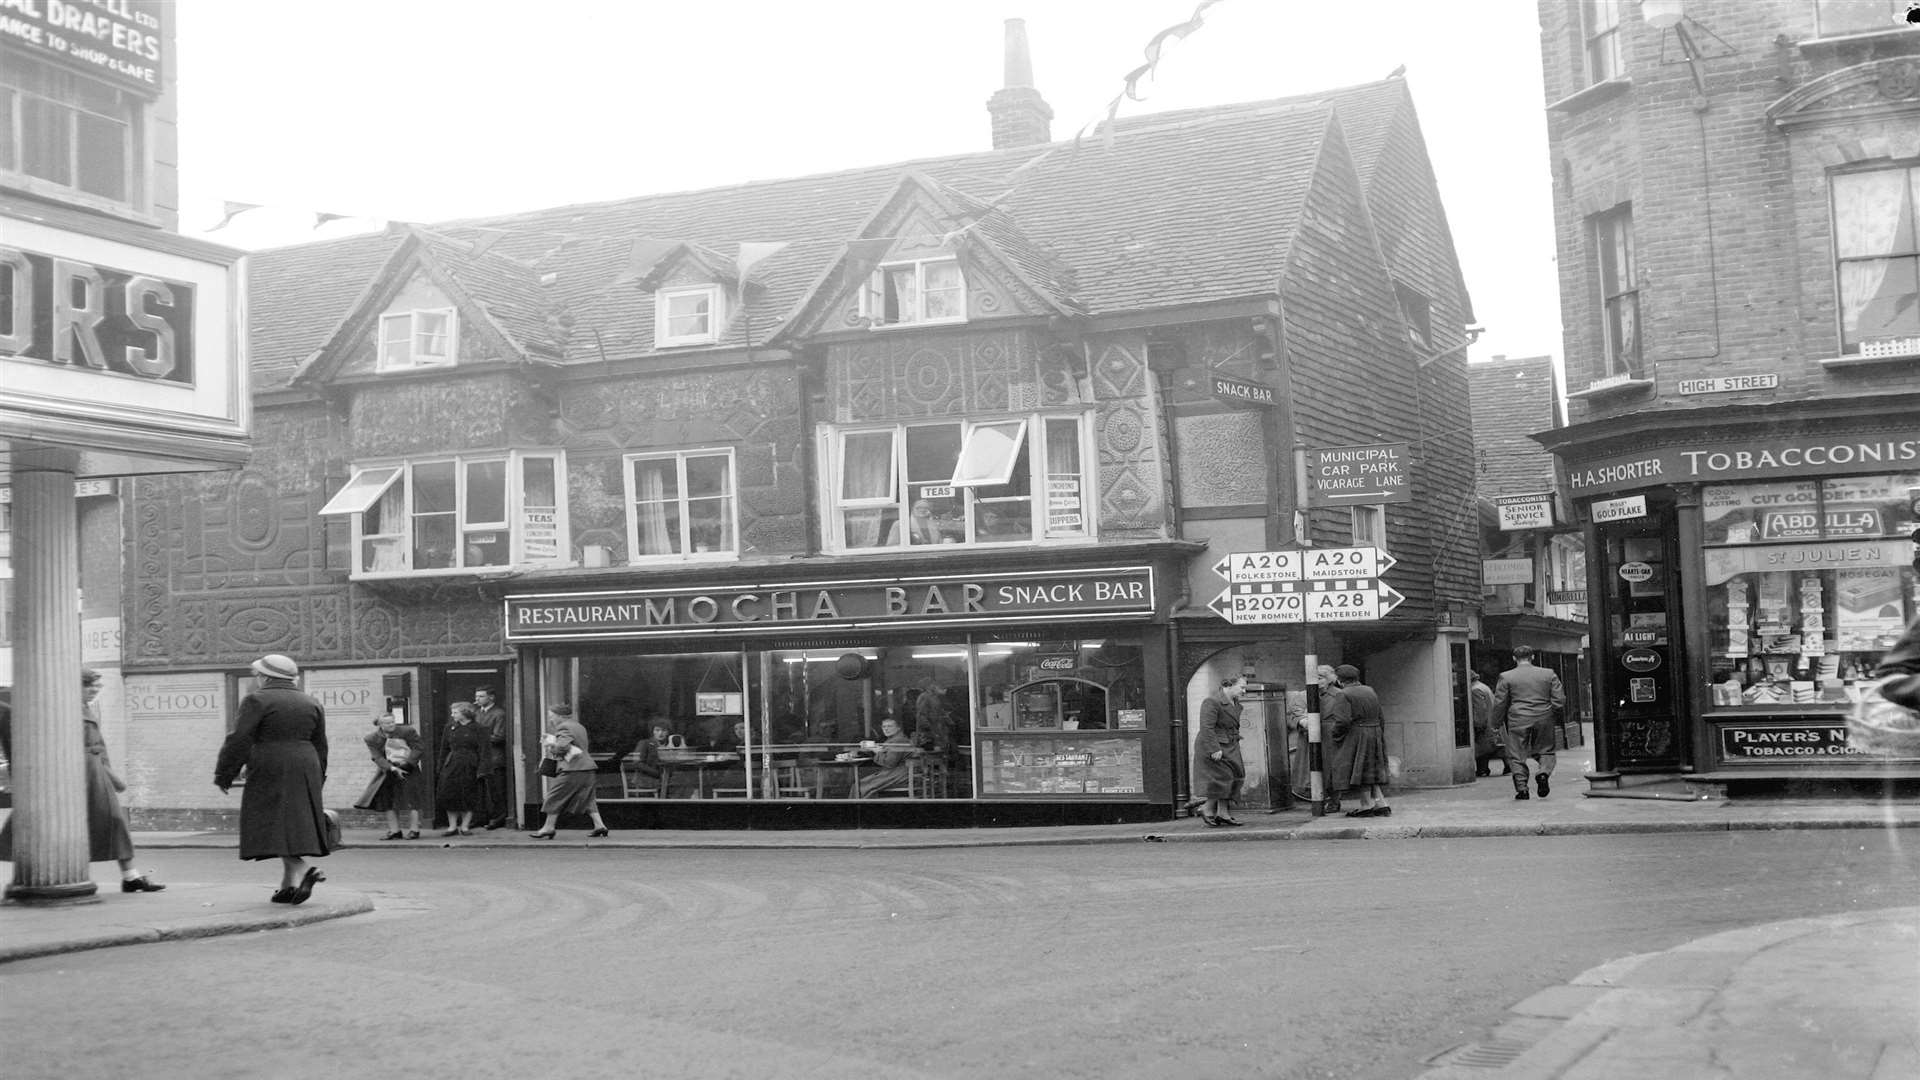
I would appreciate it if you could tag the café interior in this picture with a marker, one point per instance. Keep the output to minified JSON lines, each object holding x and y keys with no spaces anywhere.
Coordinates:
{"x":980,"y":716}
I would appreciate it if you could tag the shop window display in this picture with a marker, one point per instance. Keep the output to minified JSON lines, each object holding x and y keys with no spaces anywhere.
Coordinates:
{"x":1808,"y":582}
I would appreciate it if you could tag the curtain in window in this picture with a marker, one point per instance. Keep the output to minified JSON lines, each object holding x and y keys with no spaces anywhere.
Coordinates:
{"x":866,"y":472}
{"x":652,"y":487}
{"x":1872,"y":215}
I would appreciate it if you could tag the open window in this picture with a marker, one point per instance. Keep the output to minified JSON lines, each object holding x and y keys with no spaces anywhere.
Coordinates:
{"x":453,"y":514}
{"x":410,"y":339}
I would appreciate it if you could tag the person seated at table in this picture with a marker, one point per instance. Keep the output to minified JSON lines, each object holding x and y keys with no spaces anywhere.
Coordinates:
{"x":922,"y":528}
{"x":731,"y":739}
{"x":645,"y":758}
{"x":891,"y":760}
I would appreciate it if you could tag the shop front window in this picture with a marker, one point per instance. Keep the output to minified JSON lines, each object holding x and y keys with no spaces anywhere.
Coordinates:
{"x":925,"y":720}
{"x":1808,"y":582}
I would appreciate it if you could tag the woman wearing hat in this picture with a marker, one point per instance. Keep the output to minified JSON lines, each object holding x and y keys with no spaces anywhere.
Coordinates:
{"x":1360,"y":728}
{"x":281,"y":740}
{"x":570,"y":791}
{"x":108,"y":834}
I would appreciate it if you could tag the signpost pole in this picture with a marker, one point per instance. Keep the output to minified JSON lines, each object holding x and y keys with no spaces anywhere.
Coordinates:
{"x":1317,"y":777}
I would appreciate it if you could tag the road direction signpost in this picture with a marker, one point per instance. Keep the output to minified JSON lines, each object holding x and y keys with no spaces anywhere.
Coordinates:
{"x":1305,"y":586}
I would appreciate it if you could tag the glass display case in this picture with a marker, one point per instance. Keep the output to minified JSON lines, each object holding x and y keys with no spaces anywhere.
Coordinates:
{"x":1061,"y":763}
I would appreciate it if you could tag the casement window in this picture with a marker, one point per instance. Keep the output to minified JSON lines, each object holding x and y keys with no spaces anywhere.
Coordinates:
{"x":1840,"y":17}
{"x":410,"y":339}
{"x":457,"y":514}
{"x":1619,"y":295}
{"x":920,"y":291}
{"x":1600,"y":28}
{"x":1011,"y":480}
{"x":67,"y":131}
{"x":1876,"y":240}
{"x":688,"y":316}
{"x":682,"y":506}
{"x":1369,"y":526}
{"x":1417,"y":310}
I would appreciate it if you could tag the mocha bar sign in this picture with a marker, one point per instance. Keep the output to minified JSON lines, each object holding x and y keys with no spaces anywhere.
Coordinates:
{"x":833,"y":605}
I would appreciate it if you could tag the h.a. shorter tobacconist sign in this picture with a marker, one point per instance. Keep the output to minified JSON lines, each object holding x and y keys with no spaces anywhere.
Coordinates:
{"x":834,"y":605}
{"x":1758,"y":459}
{"x":1753,"y":744}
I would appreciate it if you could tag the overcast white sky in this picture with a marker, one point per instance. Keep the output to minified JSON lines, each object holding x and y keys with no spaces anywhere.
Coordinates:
{"x":424,"y":110}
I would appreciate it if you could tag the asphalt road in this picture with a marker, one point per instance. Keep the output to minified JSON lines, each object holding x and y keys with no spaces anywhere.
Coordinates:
{"x":1353,"y":960}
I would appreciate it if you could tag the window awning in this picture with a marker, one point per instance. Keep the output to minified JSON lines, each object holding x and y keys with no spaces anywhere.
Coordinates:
{"x":987,"y":456}
{"x":360,"y":492}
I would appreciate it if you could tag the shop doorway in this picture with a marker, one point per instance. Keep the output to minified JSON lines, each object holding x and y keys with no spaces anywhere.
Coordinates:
{"x":444,"y":687}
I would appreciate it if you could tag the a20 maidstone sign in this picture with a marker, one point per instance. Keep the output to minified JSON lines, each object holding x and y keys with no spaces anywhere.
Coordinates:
{"x":1309,"y":585}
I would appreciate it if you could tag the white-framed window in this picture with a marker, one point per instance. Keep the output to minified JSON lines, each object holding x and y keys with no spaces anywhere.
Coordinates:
{"x":682,"y":506}
{"x":915,"y":292}
{"x":1007,"y":480}
{"x":1369,"y":525}
{"x":1619,"y":293}
{"x":1876,"y":244}
{"x":1839,"y":17}
{"x":1600,"y":28}
{"x":410,"y":339}
{"x":692,"y":315}
{"x":64,"y":130}
{"x":454,"y":514}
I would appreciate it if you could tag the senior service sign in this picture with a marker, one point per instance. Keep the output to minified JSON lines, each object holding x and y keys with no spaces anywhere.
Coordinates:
{"x":121,"y":343}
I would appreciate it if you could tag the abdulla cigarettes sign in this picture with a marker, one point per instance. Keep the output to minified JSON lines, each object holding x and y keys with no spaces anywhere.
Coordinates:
{"x":834,"y":605}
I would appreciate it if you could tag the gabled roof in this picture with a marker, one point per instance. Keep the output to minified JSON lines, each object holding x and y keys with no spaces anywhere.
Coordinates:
{"x":1174,"y":209}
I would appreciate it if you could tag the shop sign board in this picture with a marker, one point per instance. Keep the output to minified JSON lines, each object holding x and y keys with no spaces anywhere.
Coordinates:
{"x":1506,"y":571}
{"x":1725,"y":384}
{"x":1766,"y":744}
{"x":1239,"y":392}
{"x":982,"y":599}
{"x":121,"y":41}
{"x":1723,"y":563}
{"x":1344,"y":600}
{"x":1346,"y":475}
{"x":1566,"y":596}
{"x":1625,"y":509}
{"x":1768,"y":458}
{"x":128,"y":350}
{"x":1519,"y":512}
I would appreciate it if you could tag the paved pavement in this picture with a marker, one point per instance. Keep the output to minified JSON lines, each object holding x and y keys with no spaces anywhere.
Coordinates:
{"x":1834,"y":997}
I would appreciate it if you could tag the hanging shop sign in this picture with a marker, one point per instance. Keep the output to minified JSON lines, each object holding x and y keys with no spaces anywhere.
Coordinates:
{"x":117,"y":40}
{"x":1624,"y":509}
{"x":1525,"y":511}
{"x":1237,"y":392}
{"x":1749,"y":459}
{"x":834,"y":605}
{"x":1345,"y":475}
{"x":126,"y":350}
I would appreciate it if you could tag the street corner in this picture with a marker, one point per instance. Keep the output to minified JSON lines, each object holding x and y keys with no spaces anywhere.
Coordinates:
{"x":184,"y":911}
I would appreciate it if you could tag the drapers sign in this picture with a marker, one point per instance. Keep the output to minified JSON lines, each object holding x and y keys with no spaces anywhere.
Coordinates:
{"x":1756,"y":459}
{"x":833,"y":605}
{"x":119,"y":40}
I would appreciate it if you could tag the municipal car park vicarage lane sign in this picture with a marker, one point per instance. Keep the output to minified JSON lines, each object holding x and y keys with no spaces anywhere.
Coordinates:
{"x":1309,"y":585}
{"x":1344,"y":475}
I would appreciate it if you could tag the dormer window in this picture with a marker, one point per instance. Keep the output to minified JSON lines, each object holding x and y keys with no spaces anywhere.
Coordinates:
{"x":687,"y":316}
{"x":921,"y":291}
{"x":411,"y":339}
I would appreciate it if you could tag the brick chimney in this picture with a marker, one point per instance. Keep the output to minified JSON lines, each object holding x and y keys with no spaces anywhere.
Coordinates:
{"x":1021,"y":117}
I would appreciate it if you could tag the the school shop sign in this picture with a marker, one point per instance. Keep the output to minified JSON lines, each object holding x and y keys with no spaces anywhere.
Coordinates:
{"x":981,"y":599}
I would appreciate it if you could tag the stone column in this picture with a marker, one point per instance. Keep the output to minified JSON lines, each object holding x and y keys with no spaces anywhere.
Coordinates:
{"x":49,"y":820}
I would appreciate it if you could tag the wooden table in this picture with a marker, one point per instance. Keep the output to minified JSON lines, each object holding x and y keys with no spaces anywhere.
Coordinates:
{"x":697,"y":760}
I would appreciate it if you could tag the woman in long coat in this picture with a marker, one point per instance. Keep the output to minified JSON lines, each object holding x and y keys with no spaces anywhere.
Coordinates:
{"x":459,"y":779}
{"x":108,"y":834}
{"x":1222,"y":771}
{"x":281,"y":740}
{"x":1358,"y":724}
{"x":571,"y":791}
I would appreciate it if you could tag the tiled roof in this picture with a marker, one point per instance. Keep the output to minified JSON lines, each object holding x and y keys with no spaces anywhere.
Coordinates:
{"x":508,"y":289}
{"x":1176,"y":208}
{"x":1512,"y":399}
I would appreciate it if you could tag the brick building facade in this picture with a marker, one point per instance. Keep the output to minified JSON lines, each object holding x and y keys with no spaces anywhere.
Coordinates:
{"x":1735,"y":189}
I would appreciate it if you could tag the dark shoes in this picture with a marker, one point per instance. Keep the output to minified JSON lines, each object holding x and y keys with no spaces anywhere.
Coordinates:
{"x":143,"y":883}
{"x":300,"y":892}
{"x":413,"y":834}
{"x":393,"y":836}
{"x":1219,"y":822}
{"x":282,"y":896}
{"x":537,"y":835}
{"x":492,"y":825}
{"x":598,"y":832}
{"x":1521,"y":795}
{"x":1383,"y":810}
{"x":1541,"y":782}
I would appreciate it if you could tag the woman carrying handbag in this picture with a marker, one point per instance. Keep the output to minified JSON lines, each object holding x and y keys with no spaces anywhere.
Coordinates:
{"x":570,"y":789}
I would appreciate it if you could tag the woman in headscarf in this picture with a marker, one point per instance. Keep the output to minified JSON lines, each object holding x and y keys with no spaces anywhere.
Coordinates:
{"x":1221,"y":770}
{"x":570,"y":790}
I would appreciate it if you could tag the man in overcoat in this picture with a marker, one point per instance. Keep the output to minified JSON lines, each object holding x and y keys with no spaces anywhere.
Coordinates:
{"x":1529,"y":702}
{"x":496,"y":792}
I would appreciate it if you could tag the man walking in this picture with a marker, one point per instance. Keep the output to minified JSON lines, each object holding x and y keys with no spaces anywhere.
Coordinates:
{"x":496,"y":794}
{"x":1528,"y":703}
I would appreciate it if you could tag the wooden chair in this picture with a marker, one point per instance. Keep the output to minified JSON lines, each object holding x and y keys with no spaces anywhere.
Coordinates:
{"x":927,"y":778}
{"x":635,"y":785}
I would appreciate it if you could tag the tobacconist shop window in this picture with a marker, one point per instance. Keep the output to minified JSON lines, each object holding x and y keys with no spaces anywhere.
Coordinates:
{"x":454,"y":515}
{"x":67,"y":135}
{"x":1808,"y":582}
{"x":1015,"y":480}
